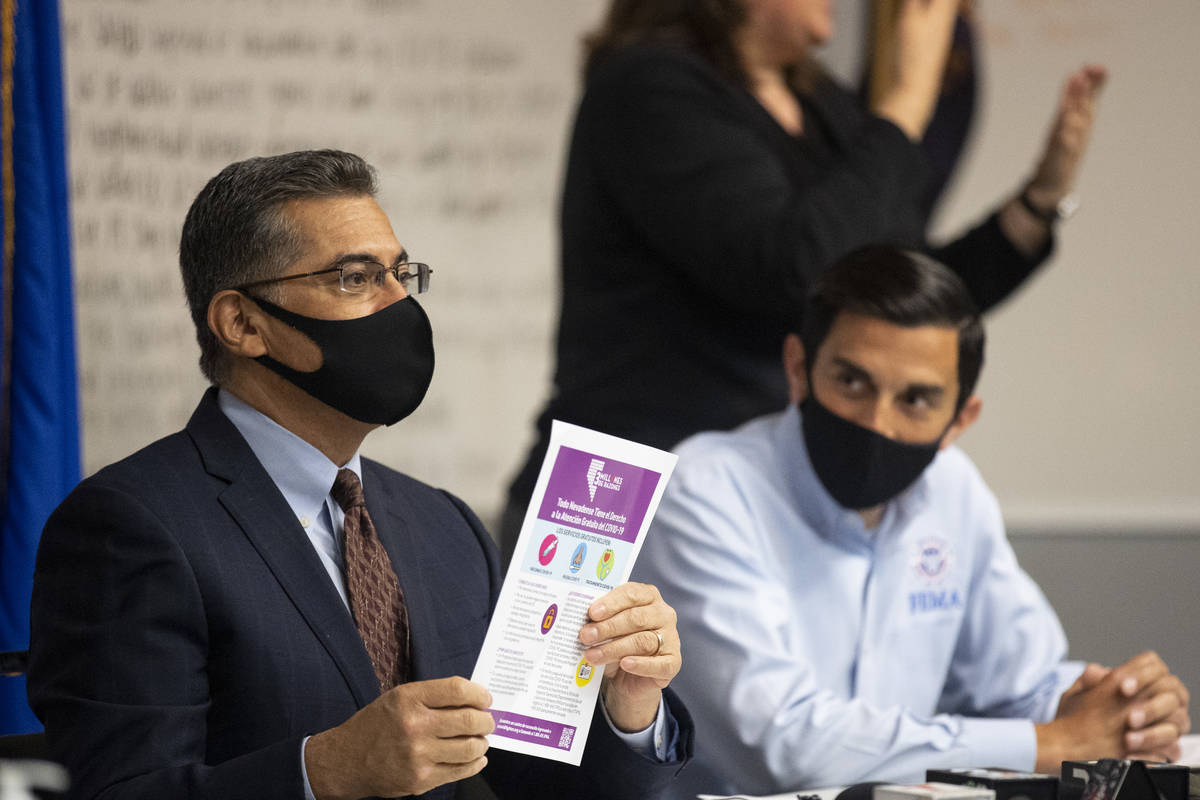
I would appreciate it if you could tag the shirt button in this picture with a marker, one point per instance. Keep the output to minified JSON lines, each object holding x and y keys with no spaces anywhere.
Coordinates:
{"x":305,"y":523}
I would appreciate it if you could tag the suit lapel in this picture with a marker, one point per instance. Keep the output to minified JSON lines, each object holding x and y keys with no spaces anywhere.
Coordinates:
{"x":404,"y":544}
{"x":258,"y":507}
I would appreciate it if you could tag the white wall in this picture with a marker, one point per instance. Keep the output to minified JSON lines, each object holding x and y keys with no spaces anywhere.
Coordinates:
{"x":1091,"y":416}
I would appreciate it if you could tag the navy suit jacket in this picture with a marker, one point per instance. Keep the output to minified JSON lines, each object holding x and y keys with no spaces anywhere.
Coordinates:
{"x":185,"y":636}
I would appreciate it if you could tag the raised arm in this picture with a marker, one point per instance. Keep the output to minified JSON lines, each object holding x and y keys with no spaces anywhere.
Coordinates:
{"x":916,"y":60}
{"x":1026,"y":219}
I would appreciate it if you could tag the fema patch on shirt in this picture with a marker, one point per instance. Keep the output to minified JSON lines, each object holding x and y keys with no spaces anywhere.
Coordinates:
{"x":932,"y":561}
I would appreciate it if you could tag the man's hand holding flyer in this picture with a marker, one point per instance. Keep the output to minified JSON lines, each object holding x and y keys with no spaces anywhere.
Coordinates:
{"x":585,"y":525}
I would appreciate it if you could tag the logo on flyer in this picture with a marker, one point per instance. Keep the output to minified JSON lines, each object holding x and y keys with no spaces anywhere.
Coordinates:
{"x":584,"y":672}
{"x":579,"y":557}
{"x":597,"y":478}
{"x":549,"y":617}
{"x":547,"y":550}
{"x":605,"y":565}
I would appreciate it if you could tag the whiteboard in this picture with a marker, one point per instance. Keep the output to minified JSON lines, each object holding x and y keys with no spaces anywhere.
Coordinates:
{"x":463,"y":106}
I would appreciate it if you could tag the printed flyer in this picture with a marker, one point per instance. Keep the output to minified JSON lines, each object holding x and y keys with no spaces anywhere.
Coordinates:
{"x":591,"y":507}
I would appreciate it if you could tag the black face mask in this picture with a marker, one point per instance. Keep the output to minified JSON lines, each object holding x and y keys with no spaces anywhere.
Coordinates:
{"x":375,"y":369}
{"x":857,"y":466}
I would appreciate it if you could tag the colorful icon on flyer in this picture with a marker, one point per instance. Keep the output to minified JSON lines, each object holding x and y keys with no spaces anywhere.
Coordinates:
{"x":547,"y":550}
{"x":584,"y":673}
{"x":549,"y":617}
{"x":578,"y":559}
{"x":605,"y":565}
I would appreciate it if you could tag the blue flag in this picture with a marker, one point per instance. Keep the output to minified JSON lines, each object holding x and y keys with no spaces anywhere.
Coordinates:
{"x":39,"y":406}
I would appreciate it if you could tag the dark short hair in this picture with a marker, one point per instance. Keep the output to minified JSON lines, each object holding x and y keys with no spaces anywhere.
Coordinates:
{"x":706,"y":26}
{"x":901,"y":287}
{"x":236,"y":231}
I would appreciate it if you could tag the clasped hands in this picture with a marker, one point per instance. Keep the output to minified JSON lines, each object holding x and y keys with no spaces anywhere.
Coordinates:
{"x":1136,"y":710}
{"x":423,"y":734}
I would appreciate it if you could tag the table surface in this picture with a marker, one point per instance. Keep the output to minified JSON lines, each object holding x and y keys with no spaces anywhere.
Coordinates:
{"x":1191,"y":757}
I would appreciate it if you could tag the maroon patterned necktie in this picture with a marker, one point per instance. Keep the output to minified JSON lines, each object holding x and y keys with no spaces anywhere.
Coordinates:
{"x":376,"y":600}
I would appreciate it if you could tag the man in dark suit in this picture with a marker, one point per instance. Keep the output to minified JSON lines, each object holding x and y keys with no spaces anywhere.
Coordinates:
{"x":211,"y":619}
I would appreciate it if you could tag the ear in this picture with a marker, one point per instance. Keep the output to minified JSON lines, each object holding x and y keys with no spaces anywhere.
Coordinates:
{"x":794,"y":367}
{"x":235,"y":320}
{"x":965,"y":419}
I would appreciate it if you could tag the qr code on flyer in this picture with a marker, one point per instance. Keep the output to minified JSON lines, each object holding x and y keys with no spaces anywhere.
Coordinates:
{"x":564,"y":739}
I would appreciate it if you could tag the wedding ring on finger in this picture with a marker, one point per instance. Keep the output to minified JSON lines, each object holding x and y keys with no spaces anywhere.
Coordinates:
{"x":658,"y":649}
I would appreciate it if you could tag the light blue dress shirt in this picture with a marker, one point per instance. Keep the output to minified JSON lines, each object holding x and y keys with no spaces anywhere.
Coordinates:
{"x":304,"y":475}
{"x":818,"y":653}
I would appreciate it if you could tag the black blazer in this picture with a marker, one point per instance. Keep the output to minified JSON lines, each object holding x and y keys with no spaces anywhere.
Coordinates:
{"x":185,"y":636}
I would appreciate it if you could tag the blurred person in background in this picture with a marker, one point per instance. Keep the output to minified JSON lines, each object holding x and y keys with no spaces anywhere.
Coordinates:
{"x":715,"y":171}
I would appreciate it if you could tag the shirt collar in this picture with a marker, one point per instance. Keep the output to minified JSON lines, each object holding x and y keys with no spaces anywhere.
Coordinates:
{"x":818,"y":508}
{"x":303,"y":473}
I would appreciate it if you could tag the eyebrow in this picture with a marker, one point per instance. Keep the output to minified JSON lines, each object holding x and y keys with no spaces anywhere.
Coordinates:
{"x":847,"y":364}
{"x":350,"y":258}
{"x":928,"y":390}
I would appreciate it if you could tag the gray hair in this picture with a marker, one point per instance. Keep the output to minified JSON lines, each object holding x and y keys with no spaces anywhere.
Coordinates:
{"x":236,"y":230}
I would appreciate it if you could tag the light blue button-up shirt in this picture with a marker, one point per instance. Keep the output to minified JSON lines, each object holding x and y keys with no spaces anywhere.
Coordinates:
{"x":304,"y":475}
{"x":819,"y":653}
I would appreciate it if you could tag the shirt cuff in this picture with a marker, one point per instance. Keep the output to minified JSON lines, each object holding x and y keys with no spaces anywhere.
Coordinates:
{"x":308,"y":792}
{"x":1005,"y":743}
{"x":657,"y":741}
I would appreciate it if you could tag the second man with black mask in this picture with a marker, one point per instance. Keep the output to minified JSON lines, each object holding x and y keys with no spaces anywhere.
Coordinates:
{"x":844,"y":572}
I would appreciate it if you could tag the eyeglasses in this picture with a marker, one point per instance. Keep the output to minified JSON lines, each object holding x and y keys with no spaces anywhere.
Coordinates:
{"x":362,"y":277}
